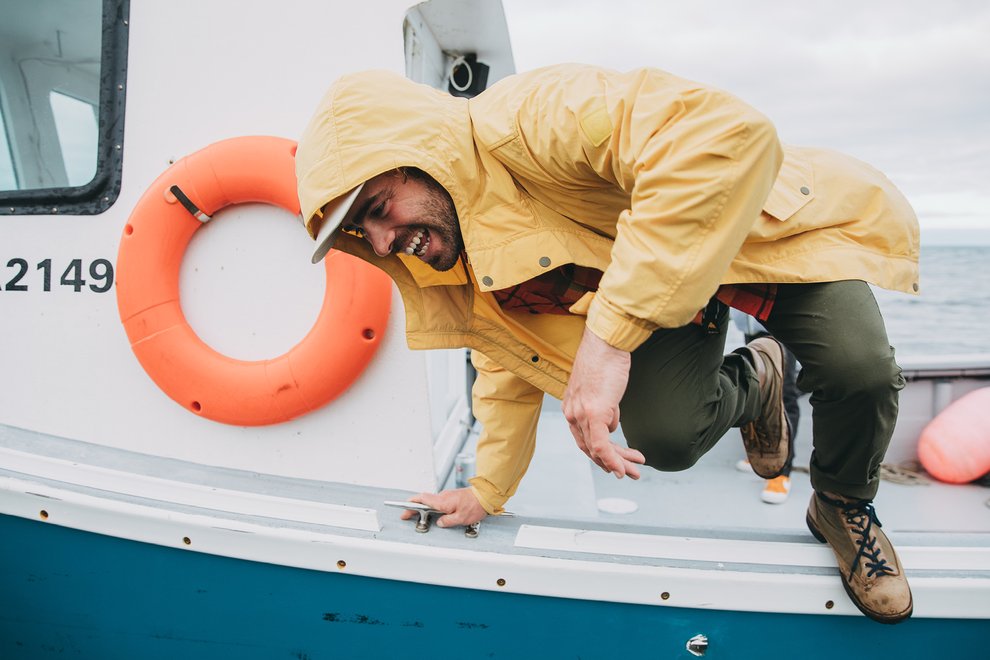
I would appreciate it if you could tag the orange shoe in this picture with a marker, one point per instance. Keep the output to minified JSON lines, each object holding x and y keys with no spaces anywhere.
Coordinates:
{"x":776,"y":490}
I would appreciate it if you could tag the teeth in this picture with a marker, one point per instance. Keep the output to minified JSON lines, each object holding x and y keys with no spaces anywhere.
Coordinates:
{"x":416,"y":245}
{"x":422,"y":251}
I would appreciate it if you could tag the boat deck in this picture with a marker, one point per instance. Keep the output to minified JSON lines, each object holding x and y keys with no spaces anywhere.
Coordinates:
{"x":563,"y":483}
{"x":708,"y":519}
{"x":701,"y":538}
{"x":562,"y":487}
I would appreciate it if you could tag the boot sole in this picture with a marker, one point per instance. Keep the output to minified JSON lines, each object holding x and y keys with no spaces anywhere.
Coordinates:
{"x":790,"y":451}
{"x":750,"y":430}
{"x":879,"y":618}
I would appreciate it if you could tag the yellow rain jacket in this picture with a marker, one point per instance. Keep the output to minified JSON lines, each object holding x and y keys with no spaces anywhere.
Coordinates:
{"x":669,"y":187}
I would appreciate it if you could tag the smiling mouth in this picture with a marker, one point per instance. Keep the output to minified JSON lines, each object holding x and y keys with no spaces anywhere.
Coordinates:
{"x":418,"y":244}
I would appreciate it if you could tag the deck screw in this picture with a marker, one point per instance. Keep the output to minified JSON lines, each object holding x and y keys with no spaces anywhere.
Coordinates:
{"x":500,"y":582}
{"x":829,"y":604}
{"x":341,"y":564}
{"x":187,"y":540}
{"x":43,"y":514}
{"x":665,"y":595}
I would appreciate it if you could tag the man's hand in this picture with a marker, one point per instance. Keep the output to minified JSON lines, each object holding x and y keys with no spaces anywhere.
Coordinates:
{"x":461,"y":507}
{"x":591,"y":405}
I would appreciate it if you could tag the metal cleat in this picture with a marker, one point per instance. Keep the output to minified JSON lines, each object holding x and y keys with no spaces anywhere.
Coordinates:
{"x":425,"y":511}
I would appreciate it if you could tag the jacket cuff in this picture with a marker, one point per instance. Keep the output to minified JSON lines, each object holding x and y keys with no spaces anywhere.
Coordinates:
{"x":615,"y":327}
{"x":488,"y":496}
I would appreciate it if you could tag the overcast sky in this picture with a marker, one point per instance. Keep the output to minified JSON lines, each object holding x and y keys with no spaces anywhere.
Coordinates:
{"x":902,"y":84}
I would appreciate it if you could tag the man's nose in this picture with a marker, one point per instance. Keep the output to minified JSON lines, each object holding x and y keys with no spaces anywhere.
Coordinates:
{"x":381,"y":240}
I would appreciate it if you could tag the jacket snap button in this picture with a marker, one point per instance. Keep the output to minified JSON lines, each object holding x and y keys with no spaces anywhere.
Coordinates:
{"x":805,"y":190}
{"x":487,"y":281}
{"x":535,"y":358}
{"x":544,"y":261}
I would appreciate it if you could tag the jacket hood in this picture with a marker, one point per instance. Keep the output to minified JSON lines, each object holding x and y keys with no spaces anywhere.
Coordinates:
{"x":375,"y":121}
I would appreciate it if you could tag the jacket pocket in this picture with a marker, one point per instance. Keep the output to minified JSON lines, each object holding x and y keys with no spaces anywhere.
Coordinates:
{"x":793,"y":189}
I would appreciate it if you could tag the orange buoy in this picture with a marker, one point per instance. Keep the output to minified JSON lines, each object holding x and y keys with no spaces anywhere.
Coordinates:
{"x":329,"y":358}
{"x":955,"y":446}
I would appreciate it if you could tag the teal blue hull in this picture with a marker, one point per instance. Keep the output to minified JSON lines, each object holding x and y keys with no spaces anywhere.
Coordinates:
{"x":71,"y":594}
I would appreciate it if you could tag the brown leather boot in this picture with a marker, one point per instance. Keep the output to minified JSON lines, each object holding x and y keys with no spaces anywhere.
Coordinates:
{"x":768,"y":438}
{"x":871,"y":571}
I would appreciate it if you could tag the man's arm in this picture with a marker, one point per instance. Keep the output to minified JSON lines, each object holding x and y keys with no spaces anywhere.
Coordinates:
{"x":591,"y":405}
{"x":694,"y":163}
{"x":698,"y":165}
{"x":508,"y":408}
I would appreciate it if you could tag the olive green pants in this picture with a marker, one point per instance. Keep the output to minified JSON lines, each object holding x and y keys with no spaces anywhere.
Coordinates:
{"x":684,"y":394}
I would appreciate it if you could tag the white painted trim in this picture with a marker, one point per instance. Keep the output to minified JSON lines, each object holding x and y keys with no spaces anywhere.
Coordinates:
{"x":764,"y":553}
{"x":601,"y":580}
{"x":451,"y":439}
{"x":177,"y":492}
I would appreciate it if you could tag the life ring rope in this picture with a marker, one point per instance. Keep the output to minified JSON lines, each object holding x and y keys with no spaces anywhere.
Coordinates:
{"x":348,"y":329}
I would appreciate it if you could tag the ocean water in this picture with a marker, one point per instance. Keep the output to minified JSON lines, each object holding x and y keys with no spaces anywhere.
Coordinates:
{"x":952,"y":313}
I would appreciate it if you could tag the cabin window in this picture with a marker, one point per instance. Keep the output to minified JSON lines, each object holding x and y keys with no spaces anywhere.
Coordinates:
{"x":62,"y":86}
{"x":7,"y":180}
{"x":76,"y":125}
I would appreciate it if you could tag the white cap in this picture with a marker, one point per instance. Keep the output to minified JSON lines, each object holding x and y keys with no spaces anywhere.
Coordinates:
{"x":338,"y":209}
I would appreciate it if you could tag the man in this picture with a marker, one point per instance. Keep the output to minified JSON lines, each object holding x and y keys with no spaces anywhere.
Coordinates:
{"x":584,"y":232}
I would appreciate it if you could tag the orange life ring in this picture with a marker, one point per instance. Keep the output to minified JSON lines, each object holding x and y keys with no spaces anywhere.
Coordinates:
{"x":347,"y":332}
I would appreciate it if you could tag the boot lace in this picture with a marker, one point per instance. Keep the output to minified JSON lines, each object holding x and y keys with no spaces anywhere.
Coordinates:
{"x":860,"y":517}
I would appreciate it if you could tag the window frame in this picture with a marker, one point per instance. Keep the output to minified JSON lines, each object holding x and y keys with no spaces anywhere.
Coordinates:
{"x":103,"y":190}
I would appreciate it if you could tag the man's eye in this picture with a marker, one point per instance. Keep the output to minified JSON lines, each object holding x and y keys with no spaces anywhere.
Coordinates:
{"x":378,"y":211}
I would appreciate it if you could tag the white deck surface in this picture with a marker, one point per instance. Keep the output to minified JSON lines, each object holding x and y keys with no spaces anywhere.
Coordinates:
{"x":563,"y":483}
